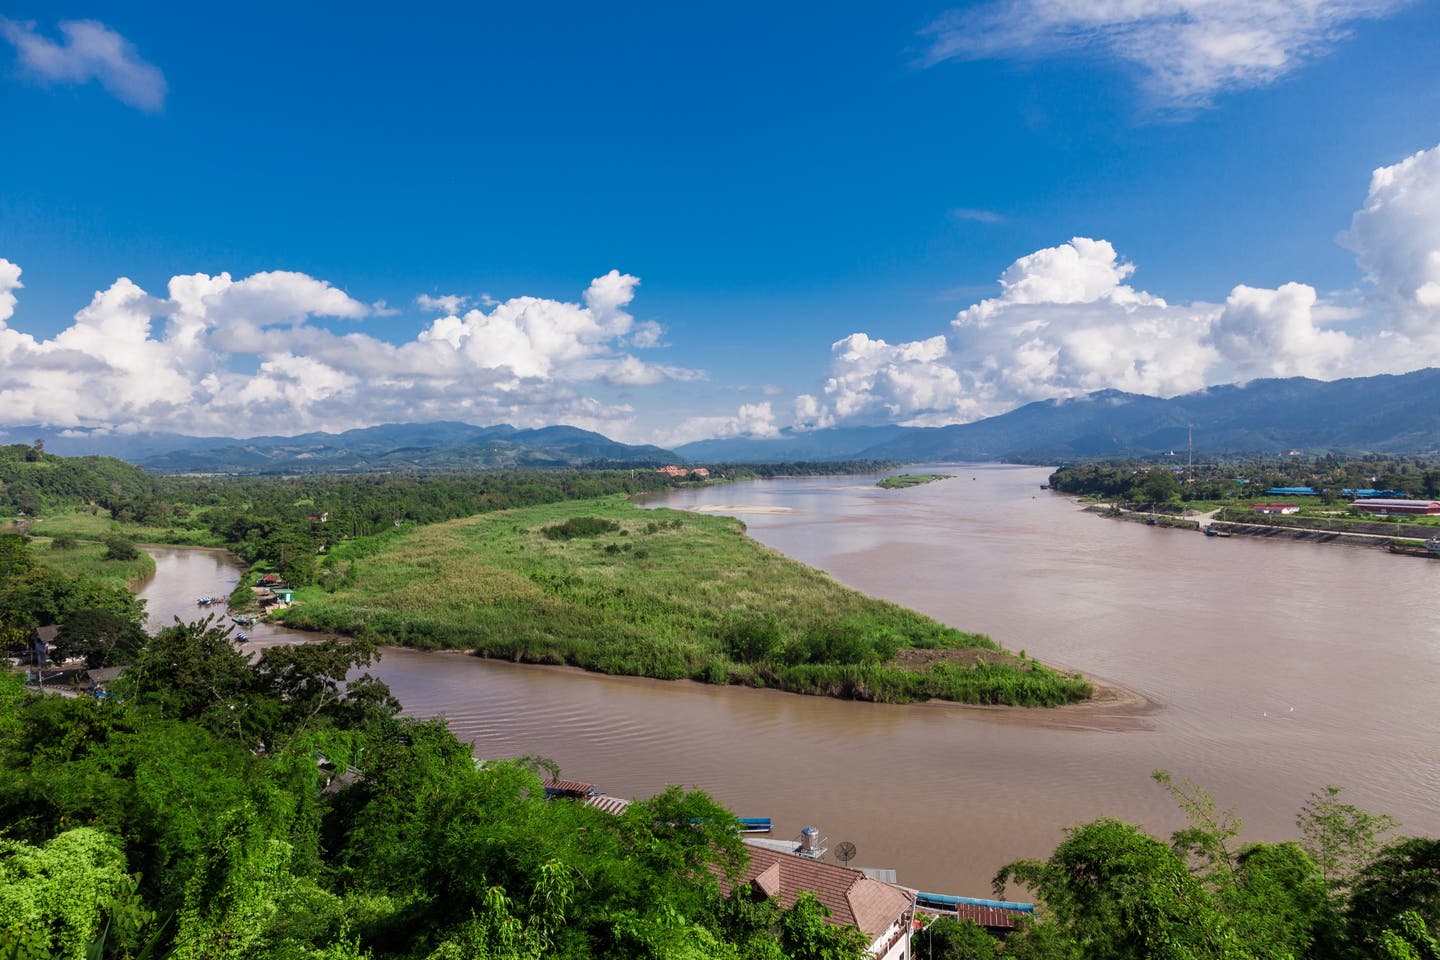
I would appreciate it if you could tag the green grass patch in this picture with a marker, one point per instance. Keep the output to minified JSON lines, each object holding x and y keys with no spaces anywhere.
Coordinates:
{"x":85,"y":525}
{"x":87,"y":558}
{"x":903,"y":480}
{"x":657,"y":593}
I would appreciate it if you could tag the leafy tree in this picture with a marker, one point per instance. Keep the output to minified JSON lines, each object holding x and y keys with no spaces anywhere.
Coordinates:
{"x":946,"y":938}
{"x":1121,"y":894}
{"x":102,"y":637}
{"x":1041,"y":940}
{"x":192,"y":671}
{"x":1280,"y":903}
{"x":1409,"y":939}
{"x":232,"y":899}
{"x":804,"y":934}
{"x":120,"y":548}
{"x":1155,"y":486}
{"x":1208,"y":838}
{"x":306,"y":682}
{"x":1340,"y":837}
{"x":1404,"y":877}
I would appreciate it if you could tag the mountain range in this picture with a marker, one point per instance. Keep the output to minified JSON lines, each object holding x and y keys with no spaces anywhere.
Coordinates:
{"x":1381,"y":414}
{"x":389,"y":447}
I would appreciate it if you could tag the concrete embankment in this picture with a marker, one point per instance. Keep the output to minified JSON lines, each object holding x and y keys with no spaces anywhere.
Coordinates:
{"x":1139,"y":516}
{"x":1275,"y":532}
{"x":1379,"y":539}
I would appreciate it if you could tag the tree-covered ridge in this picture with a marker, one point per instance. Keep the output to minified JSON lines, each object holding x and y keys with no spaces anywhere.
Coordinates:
{"x":1228,"y":479}
{"x":32,"y":481}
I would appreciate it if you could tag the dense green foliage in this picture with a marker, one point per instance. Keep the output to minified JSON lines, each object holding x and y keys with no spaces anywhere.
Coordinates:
{"x":228,"y":809}
{"x":1111,"y":891}
{"x":1143,"y":481}
{"x":33,"y":593}
{"x":607,"y":586}
{"x":223,"y":808}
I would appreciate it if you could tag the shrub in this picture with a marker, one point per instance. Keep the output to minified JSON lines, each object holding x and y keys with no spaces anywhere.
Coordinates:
{"x":120,"y":548}
{"x":577,"y":527}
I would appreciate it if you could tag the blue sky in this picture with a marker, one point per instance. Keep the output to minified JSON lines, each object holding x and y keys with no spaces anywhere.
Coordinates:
{"x":810,"y":211}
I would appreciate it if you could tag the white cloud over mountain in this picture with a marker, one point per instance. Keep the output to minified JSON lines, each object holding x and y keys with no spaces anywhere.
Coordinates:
{"x":1187,"y":51}
{"x":750,"y":420}
{"x":283,"y":352}
{"x":88,"y":51}
{"x":1067,"y":322}
{"x":219,"y":355}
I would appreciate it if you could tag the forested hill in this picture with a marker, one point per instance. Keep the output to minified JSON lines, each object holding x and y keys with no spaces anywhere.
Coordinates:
{"x":32,"y":481}
{"x":388,"y":448}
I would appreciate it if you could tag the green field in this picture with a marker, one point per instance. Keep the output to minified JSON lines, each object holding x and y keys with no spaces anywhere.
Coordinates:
{"x":604,"y":585}
{"x":87,"y":559}
{"x":85,"y":525}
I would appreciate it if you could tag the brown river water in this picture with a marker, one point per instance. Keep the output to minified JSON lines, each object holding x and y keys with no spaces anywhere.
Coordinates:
{"x":1262,"y":670}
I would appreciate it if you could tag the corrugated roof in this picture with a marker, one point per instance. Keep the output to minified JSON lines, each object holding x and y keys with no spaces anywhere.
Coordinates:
{"x":614,"y":806}
{"x":851,"y":897}
{"x":576,"y":787}
{"x":992,"y":917}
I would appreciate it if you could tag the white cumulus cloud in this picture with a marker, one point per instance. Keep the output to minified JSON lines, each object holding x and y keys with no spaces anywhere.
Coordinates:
{"x":9,"y":283}
{"x":448,"y":304}
{"x":750,"y":420}
{"x":1187,"y":51}
{"x":239,"y":357}
{"x":1396,"y":240}
{"x":1274,"y":333}
{"x":88,"y":51}
{"x":1067,"y":321}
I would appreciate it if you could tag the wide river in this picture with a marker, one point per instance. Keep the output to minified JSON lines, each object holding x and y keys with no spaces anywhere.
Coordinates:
{"x":1272,"y":669}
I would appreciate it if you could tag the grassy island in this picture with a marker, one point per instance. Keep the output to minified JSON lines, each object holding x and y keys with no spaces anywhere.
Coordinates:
{"x":903,"y":480}
{"x":607,"y":586}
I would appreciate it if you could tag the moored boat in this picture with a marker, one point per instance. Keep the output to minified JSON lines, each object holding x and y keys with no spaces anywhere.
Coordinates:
{"x":1430,"y":548}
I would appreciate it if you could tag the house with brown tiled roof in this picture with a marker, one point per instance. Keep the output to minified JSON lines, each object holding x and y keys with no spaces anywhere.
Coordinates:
{"x":882,"y":911}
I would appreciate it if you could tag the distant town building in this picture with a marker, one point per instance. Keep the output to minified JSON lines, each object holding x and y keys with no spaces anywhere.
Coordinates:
{"x":1274,"y":508}
{"x":1292,"y":492}
{"x":1384,"y":507}
{"x":680,"y":473}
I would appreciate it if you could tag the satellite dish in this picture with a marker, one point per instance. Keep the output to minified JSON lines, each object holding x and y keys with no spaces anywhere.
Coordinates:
{"x":845,"y":851}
